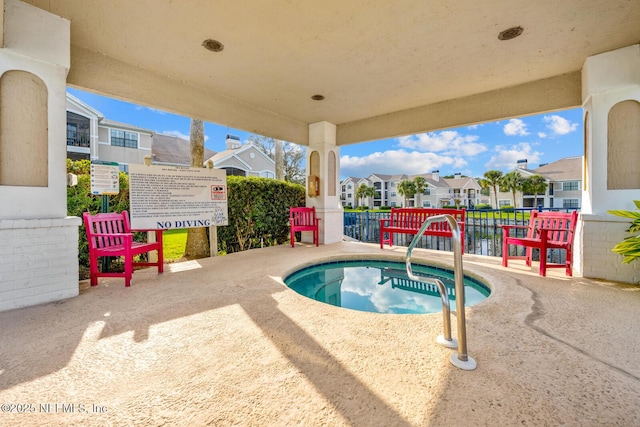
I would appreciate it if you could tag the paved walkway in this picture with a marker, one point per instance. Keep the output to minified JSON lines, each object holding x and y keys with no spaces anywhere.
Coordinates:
{"x":222,"y":341}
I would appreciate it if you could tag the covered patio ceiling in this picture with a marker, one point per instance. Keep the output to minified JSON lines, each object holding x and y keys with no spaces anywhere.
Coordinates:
{"x":384,"y":68}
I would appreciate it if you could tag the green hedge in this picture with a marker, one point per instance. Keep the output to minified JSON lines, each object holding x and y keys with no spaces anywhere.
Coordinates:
{"x":483,"y":206}
{"x":258,"y":212}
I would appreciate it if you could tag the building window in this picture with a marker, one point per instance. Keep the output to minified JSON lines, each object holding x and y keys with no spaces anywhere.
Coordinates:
{"x":570,"y":186}
{"x":392,"y":204}
{"x":349,"y":195}
{"x":78,"y":130}
{"x":349,"y":187}
{"x":426,"y":203}
{"x":571,"y":203}
{"x":267,"y":174}
{"x":123,"y":167}
{"x":393,"y":194}
{"x":427,"y":192}
{"x":504,"y":202}
{"x":393,"y":183}
{"x":120,"y":138}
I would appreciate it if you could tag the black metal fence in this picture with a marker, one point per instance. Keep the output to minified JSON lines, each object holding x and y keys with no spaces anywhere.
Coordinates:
{"x":482,"y":236}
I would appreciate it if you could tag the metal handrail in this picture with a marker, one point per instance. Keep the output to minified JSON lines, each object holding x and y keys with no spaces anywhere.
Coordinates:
{"x":461,"y":359}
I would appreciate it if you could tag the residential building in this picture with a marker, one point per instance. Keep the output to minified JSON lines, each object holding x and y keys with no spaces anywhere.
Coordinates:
{"x":437,"y":193}
{"x":243,"y":160}
{"x":564,"y":185}
{"x":92,"y":137}
{"x":173,"y":150}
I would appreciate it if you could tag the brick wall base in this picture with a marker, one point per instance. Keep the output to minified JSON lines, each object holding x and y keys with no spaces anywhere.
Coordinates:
{"x":38,"y":261}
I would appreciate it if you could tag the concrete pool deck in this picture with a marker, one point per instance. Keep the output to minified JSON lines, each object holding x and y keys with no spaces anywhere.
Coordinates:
{"x":222,"y":341}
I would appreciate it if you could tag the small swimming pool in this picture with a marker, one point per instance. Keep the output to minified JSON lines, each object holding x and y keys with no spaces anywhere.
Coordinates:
{"x":381,"y":286}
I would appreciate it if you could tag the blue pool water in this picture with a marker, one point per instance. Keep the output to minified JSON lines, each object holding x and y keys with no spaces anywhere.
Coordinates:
{"x":381,"y":286}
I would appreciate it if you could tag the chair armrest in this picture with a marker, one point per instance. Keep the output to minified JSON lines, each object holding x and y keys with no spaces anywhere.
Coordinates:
{"x":383,"y":220}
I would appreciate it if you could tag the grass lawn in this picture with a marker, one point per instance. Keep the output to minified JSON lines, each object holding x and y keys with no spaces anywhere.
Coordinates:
{"x":173,"y":243}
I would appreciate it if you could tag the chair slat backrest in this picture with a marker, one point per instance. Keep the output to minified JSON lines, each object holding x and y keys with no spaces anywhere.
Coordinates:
{"x":106,"y":223}
{"x":413,"y":218}
{"x":302,"y":216}
{"x":563,"y":223}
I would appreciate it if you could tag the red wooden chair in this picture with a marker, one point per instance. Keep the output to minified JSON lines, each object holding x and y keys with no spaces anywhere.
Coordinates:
{"x":546,"y":230}
{"x":110,"y":235}
{"x":303,"y":219}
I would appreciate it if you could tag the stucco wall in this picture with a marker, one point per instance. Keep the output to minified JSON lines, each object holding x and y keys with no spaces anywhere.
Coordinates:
{"x":598,"y":235}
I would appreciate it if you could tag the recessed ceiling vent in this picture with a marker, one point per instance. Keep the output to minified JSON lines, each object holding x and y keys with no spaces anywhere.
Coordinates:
{"x":213,"y":45}
{"x":510,"y":33}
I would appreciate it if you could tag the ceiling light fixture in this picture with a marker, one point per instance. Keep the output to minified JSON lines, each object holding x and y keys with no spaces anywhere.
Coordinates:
{"x":317,"y":97}
{"x":213,"y":45}
{"x":510,"y":33}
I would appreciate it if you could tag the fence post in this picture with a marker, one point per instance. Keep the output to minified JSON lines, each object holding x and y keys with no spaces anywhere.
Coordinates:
{"x":366,"y":232}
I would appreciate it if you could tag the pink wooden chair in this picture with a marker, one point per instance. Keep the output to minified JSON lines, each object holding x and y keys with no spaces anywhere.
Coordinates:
{"x":303,"y":219}
{"x":546,"y":230}
{"x":110,"y":235}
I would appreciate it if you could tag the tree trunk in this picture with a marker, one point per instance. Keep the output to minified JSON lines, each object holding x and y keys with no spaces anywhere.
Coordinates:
{"x":279,"y":155}
{"x":197,"y":241}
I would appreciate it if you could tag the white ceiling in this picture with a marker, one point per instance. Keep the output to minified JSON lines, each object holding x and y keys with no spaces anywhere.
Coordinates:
{"x":368,"y":58}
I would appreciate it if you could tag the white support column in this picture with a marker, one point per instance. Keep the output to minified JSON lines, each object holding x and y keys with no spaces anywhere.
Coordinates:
{"x":323,"y":162}
{"x":39,"y":251}
{"x":608,"y":79}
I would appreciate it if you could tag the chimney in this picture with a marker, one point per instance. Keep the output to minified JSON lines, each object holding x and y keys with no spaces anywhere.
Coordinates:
{"x":522,"y":164}
{"x":233,"y":142}
{"x":435,"y":175}
{"x":457,"y":175}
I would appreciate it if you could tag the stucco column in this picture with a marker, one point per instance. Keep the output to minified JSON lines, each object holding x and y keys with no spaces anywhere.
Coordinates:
{"x":611,"y":176}
{"x":39,"y":253}
{"x":323,"y":162}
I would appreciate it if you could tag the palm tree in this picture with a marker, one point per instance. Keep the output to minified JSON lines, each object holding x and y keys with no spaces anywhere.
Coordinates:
{"x":197,"y":242}
{"x":365,"y":191}
{"x":407,"y":189}
{"x":492,"y":180}
{"x":420,"y":184}
{"x":536,"y":184}
{"x":513,"y":182}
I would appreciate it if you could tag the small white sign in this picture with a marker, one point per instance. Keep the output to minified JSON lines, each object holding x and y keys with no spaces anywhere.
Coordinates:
{"x":105,"y":178}
{"x":164,"y":197}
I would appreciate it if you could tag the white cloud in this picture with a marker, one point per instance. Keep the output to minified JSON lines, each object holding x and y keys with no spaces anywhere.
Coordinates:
{"x":542,"y":135}
{"x":181,"y":135}
{"x":507,"y":157}
{"x":515,"y":127}
{"x":155,"y":110}
{"x":449,"y":142}
{"x":559,"y":125}
{"x":395,"y":162}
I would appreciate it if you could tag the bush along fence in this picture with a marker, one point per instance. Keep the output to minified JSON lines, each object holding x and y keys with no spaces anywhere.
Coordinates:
{"x":483,"y":236}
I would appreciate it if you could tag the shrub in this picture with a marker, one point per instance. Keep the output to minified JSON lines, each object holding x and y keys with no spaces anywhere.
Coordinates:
{"x":507,"y":208}
{"x":450,"y":207}
{"x":483,"y":206}
{"x":258,"y":212}
{"x":363,"y":207}
{"x":629,"y":248}
{"x":385,"y":208}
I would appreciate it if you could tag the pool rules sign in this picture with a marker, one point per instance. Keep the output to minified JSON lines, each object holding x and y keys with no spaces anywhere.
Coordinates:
{"x":177,"y":197}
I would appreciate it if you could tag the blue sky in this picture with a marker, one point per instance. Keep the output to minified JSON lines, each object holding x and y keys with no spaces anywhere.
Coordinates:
{"x":470,"y":150}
